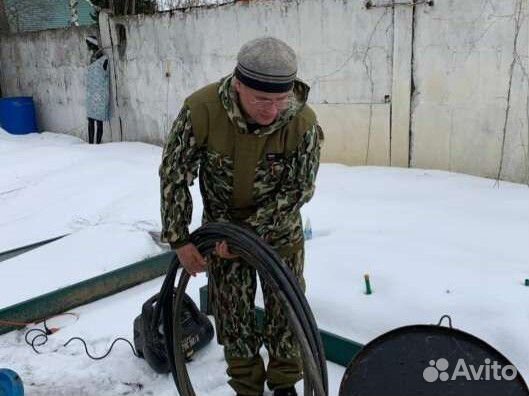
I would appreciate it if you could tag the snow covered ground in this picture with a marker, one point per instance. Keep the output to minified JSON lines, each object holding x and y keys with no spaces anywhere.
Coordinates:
{"x":432,"y":242}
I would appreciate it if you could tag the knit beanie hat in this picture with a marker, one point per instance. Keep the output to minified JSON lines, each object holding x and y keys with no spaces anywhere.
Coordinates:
{"x":267,"y":64}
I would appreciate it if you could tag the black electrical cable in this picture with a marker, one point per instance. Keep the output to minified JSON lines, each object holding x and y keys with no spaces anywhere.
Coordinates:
{"x":273,"y":271}
{"x":310,"y":324}
{"x":107,"y":352}
{"x":295,"y":294}
{"x":44,"y":333}
{"x":33,"y":342}
{"x":284,"y":274}
{"x":252,"y":250}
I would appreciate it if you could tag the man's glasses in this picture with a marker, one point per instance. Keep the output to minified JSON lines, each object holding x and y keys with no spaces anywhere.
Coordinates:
{"x":280,"y":104}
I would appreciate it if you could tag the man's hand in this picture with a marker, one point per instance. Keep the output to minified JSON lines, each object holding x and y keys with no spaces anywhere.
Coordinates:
{"x":221,"y":248}
{"x":191,"y":259}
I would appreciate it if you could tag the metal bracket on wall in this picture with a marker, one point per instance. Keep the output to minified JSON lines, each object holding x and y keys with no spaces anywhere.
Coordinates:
{"x":370,"y":4}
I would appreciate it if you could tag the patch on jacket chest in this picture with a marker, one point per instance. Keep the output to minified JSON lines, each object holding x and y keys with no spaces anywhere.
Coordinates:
{"x":274,"y":157}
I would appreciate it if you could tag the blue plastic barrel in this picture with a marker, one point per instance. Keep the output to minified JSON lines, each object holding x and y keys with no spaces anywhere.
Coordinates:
{"x":10,"y":383}
{"x":17,"y":115}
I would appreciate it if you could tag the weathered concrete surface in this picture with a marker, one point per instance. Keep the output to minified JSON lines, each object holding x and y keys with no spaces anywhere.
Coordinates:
{"x":345,"y":54}
{"x":355,"y":134}
{"x":470,"y":74}
{"x":468,"y":112}
{"x":50,"y":66}
{"x":401,"y":90}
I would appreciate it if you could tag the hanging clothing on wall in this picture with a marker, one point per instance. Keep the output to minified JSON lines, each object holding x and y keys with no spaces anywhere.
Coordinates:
{"x":97,"y":96}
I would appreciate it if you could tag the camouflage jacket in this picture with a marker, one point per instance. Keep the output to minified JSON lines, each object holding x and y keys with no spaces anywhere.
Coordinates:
{"x":281,"y":185}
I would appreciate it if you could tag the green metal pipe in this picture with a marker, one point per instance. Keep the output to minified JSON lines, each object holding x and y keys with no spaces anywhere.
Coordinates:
{"x":23,"y":249}
{"x":84,"y":292}
{"x":338,"y":349}
{"x":368,"y":284}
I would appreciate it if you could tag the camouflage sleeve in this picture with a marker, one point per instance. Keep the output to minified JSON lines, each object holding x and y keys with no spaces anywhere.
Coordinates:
{"x":297,"y":185}
{"x":179,"y":167}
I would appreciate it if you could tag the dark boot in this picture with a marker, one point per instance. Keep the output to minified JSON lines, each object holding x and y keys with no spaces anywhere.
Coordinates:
{"x":99,"y":135}
{"x":291,"y":391}
{"x":91,"y":122}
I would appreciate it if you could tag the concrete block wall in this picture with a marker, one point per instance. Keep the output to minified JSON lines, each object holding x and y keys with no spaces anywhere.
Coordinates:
{"x":49,"y":65}
{"x":442,"y":87}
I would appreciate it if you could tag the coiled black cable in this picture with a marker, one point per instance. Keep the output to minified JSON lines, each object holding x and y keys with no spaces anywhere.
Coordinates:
{"x":271,"y":268}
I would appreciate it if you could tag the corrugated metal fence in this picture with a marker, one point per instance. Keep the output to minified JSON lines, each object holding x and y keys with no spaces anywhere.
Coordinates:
{"x":33,"y":15}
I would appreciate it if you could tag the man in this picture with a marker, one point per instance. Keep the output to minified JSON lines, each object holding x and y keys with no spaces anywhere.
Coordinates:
{"x":257,"y":144}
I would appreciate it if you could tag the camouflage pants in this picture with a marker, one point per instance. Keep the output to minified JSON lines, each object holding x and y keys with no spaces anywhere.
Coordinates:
{"x":235,"y":286}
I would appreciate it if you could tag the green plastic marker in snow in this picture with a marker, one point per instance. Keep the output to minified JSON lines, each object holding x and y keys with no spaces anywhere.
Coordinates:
{"x":368,"y":284}
{"x":527,"y":282}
